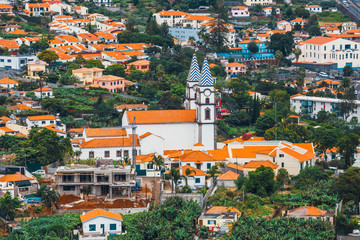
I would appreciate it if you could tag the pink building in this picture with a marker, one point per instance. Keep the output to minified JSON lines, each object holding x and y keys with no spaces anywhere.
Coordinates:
{"x":235,"y":68}
{"x":110,"y":82}
{"x":142,"y":65}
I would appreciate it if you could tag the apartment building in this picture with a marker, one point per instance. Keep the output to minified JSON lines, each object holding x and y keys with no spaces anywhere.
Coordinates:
{"x":239,"y":12}
{"x":104,"y":181}
{"x":258,"y":2}
{"x":326,"y":50}
{"x":171,"y":18}
{"x":37,"y":9}
{"x":311,"y":106}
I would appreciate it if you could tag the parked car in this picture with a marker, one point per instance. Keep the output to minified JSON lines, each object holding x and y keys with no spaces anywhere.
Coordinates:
{"x":39,"y":172}
{"x":322,"y":74}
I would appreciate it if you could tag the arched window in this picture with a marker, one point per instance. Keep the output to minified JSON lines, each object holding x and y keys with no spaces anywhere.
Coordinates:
{"x":207,"y":114}
{"x":207,"y":100}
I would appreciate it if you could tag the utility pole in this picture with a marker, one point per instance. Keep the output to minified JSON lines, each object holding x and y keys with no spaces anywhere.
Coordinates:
{"x":275,"y":121}
{"x":133,"y":127}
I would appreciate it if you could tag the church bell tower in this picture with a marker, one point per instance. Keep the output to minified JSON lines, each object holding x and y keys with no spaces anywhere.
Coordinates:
{"x":192,"y":81}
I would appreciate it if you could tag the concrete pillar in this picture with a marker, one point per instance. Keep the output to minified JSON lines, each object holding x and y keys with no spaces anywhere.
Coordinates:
{"x":111,"y":192}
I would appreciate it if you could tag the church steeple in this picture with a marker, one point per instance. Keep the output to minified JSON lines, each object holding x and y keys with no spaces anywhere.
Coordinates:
{"x":192,"y":81}
{"x":205,"y":78}
{"x":194,"y":72}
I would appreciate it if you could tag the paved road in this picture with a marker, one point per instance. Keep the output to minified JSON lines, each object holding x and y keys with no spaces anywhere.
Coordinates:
{"x":352,"y":8}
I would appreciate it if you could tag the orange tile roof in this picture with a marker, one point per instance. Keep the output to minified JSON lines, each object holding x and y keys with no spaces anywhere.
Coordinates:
{"x":241,"y":8}
{"x":140,"y":62}
{"x":172,"y":13}
{"x":19,"y":32}
{"x":5,"y":119}
{"x":235,"y":64}
{"x":76,"y":130}
{"x":14,"y":178}
{"x":319,"y":40}
{"x":5,"y":6}
{"x":44,"y":89}
{"x":194,"y":171}
{"x":220,"y":154}
{"x":42,"y":117}
{"x":296,"y":95}
{"x":6,"y":80}
{"x":219,"y":210}
{"x":105,"y":132}
{"x":6,"y":129}
{"x":257,"y":164}
{"x":89,"y":36}
{"x":10,"y":44}
{"x":198,"y":144}
{"x":99,"y":212}
{"x":328,"y":81}
{"x":235,"y":166}
{"x":198,"y":18}
{"x":228,"y":176}
{"x":105,"y":35}
{"x":298,"y":20}
{"x":356,"y":30}
{"x":36,"y":5}
{"x":307,"y":211}
{"x":144,"y":158}
{"x":251,"y":151}
{"x":68,"y":38}
{"x":313,"y":6}
{"x":195,"y":156}
{"x":19,"y":106}
{"x":301,"y":157}
{"x":131,"y":106}
{"x":162,"y":116}
{"x":105,"y":78}
{"x":110,"y":142}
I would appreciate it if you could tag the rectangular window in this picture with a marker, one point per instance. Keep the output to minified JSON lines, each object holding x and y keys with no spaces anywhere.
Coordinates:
{"x":107,"y":154}
{"x":208,"y":165}
{"x":42,"y":122}
{"x":118,"y":153}
{"x":69,"y":188}
{"x":197,"y":180}
{"x":92,"y":227}
{"x":91,"y":154}
{"x":150,"y":166}
{"x":282,"y":164}
{"x":112,"y":227}
{"x":126,"y":153}
{"x":301,"y":166}
{"x":281,"y":155}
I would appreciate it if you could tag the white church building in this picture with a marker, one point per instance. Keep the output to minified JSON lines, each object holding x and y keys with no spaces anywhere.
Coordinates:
{"x":181,"y":129}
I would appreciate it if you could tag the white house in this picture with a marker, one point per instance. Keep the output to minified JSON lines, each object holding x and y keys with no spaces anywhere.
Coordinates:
{"x":171,"y":17}
{"x":325,"y":50}
{"x":151,"y":143}
{"x":227,"y":179}
{"x":195,"y":179}
{"x":218,"y":218}
{"x":106,"y":3}
{"x":239,"y":12}
{"x":256,"y":2}
{"x":282,"y":24}
{"x":44,"y":120}
{"x":282,"y":154}
{"x":268,"y":11}
{"x":16,"y":62}
{"x":8,"y":83}
{"x":46,"y":92}
{"x":314,"y":8}
{"x":101,"y":223}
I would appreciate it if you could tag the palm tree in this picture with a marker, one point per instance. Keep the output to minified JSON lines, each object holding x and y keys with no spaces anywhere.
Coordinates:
{"x":188,"y":171}
{"x":297,"y":53}
{"x":212,"y":172}
{"x":278,"y":57}
{"x":175,"y":176}
{"x":42,"y":76}
{"x":160,"y":72}
{"x":158,"y":161}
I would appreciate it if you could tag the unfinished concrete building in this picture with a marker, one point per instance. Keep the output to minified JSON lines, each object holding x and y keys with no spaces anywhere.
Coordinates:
{"x":104,"y":181}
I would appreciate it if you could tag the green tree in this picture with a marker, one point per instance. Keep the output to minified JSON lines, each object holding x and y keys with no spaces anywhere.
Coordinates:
{"x":80,"y":60}
{"x":309,"y":176}
{"x":348,"y":71}
{"x":325,"y":138}
{"x":48,"y":56}
{"x":282,"y":42}
{"x":261,"y":181}
{"x":24,"y":49}
{"x":283,"y":177}
{"x":302,"y":12}
{"x":314,"y":30}
{"x":175,"y":177}
{"x":158,"y":161}
{"x":116,"y":70}
{"x":48,"y":196}
{"x":213,"y":171}
{"x":91,"y":63}
{"x":347,"y":185}
{"x":347,"y":147}
{"x":8,"y":205}
{"x":347,"y":104}
{"x":253,"y":47}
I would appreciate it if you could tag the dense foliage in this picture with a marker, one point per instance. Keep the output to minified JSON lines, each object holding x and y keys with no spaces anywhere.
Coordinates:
{"x":174,"y":219}
{"x":54,"y":227}
{"x":280,"y":228}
